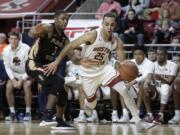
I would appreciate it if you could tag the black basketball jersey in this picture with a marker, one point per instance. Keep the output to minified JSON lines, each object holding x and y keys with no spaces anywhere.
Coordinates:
{"x":45,"y":50}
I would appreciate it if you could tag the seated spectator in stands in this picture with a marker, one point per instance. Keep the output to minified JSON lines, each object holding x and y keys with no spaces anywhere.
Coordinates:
{"x":173,"y":8}
{"x":152,"y":54}
{"x":132,"y":29}
{"x":165,"y":16}
{"x":175,"y":44}
{"x":158,"y":85}
{"x":14,"y":57}
{"x":176,"y":93}
{"x":3,"y":43}
{"x":108,"y":6}
{"x":133,"y":4}
{"x":164,"y":33}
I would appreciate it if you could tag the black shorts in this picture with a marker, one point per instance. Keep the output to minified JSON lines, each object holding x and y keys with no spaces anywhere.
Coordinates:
{"x":50,"y":84}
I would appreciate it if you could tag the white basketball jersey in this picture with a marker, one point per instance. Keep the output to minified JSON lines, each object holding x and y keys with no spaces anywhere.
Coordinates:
{"x":144,"y":68}
{"x":100,"y":52}
{"x":170,"y":68}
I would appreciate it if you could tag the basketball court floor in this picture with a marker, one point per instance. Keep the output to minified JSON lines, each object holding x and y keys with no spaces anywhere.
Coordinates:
{"x":32,"y":128}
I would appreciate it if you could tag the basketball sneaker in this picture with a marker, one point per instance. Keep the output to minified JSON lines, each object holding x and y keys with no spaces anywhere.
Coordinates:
{"x":148,"y":118}
{"x":175,"y":120}
{"x":47,"y":119}
{"x":159,"y":119}
{"x":61,"y":125}
{"x":114,"y":118}
{"x":142,"y":125}
{"x":11,"y":117}
{"x":80,"y":119}
{"x":124,"y":119}
{"x":27,"y":117}
{"x":93,"y":118}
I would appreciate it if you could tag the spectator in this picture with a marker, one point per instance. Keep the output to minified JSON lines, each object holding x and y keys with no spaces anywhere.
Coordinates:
{"x":164,"y":33}
{"x":152,"y":54}
{"x":3,"y":43}
{"x":175,"y":44}
{"x":158,"y":85}
{"x":134,"y":4}
{"x":165,"y":16}
{"x":15,"y":56}
{"x":108,"y":6}
{"x":132,"y":29}
{"x":173,"y":8}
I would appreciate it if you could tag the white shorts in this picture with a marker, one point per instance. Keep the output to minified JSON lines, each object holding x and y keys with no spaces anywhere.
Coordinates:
{"x":90,"y":84}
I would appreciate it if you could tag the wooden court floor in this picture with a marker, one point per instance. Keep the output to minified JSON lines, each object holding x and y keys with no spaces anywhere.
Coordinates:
{"x":32,"y":128}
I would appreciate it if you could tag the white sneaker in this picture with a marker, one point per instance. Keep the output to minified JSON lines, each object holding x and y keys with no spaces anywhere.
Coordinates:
{"x":46,"y":123}
{"x":135,"y":119}
{"x":124,"y":119}
{"x":27,"y":117}
{"x":115,"y":118}
{"x":142,"y":125}
{"x":174,"y":120}
{"x":80,"y":119}
{"x":93,"y":118}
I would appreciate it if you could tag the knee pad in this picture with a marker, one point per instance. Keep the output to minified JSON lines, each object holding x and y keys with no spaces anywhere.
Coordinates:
{"x":165,"y":93}
{"x":62,"y":98}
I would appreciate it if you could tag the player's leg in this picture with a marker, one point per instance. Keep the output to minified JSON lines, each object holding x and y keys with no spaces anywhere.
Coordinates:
{"x":28,"y":98}
{"x":176,"y":100}
{"x":10,"y":100}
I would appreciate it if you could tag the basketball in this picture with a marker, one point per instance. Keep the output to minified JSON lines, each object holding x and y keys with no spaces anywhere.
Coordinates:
{"x":128,"y":70}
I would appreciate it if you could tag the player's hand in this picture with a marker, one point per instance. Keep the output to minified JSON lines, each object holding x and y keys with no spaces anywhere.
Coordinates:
{"x":50,"y":68}
{"x":157,"y":77}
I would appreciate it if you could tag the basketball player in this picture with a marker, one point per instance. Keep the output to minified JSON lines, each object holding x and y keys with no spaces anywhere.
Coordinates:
{"x":159,"y":84}
{"x":176,"y":93}
{"x":15,"y":57}
{"x":145,"y":66}
{"x":50,"y":41}
{"x":96,"y":69}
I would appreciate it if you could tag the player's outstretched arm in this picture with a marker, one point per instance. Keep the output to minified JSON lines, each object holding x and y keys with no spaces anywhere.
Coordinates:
{"x":120,"y":50}
{"x":84,"y":39}
{"x":39,"y":30}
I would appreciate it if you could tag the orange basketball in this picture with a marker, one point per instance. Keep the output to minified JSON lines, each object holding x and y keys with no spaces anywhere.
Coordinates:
{"x":128,"y":70}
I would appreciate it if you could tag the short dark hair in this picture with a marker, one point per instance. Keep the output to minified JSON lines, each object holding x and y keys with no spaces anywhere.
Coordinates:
{"x":151,"y":49}
{"x":162,"y":49}
{"x":110,"y":14}
{"x":140,"y":47}
{"x":17,"y":34}
{"x":59,"y":12}
{"x":132,"y":10}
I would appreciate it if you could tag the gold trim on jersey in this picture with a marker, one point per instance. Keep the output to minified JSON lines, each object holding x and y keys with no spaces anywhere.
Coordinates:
{"x":31,"y":65}
{"x":34,"y":50}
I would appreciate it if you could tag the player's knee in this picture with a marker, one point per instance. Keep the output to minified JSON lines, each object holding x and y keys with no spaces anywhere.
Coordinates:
{"x":177,"y":85}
